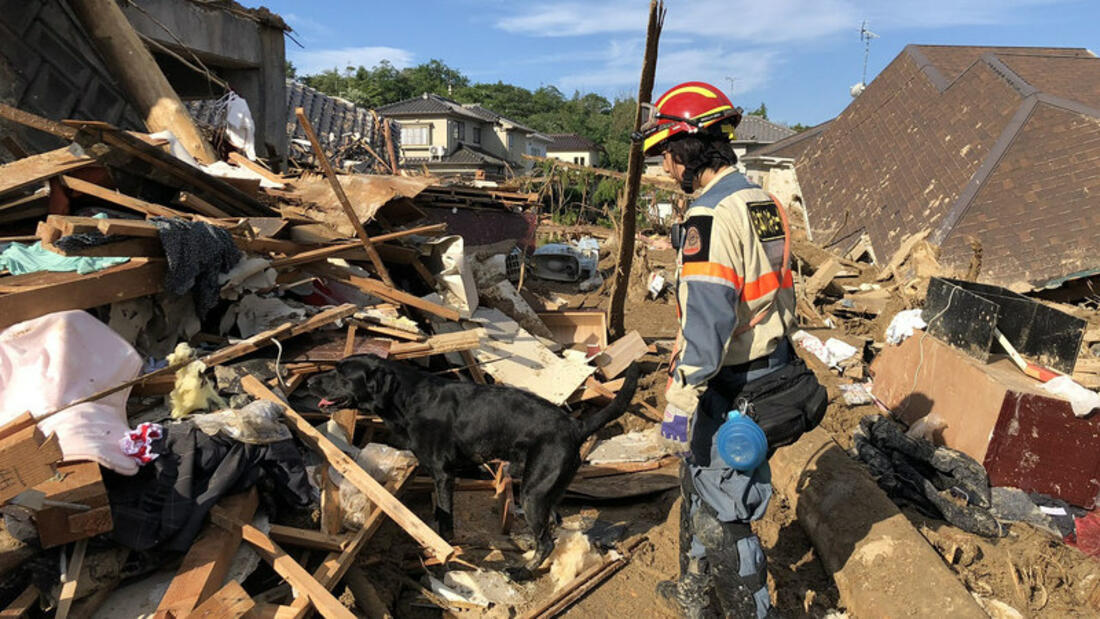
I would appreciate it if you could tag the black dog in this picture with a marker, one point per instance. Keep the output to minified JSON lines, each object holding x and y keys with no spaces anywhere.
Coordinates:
{"x":450,"y":424}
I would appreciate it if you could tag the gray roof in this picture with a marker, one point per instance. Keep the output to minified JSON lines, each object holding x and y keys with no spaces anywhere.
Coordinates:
{"x":471,"y":154}
{"x":427,"y":103}
{"x":571,"y":141}
{"x":757,"y":129}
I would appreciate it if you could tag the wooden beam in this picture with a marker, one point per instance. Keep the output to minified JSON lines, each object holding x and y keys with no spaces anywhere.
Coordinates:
{"x":37,"y":168}
{"x":36,"y":294}
{"x":139,"y":75}
{"x":660,"y":182}
{"x":206,"y":563}
{"x":244,"y":162}
{"x":349,"y":250}
{"x":443,"y":343}
{"x":307,"y":538}
{"x":285,"y":566}
{"x":71,"y":581}
{"x":33,"y":121}
{"x":330,"y":174}
{"x":335,"y":565}
{"x":229,"y":602}
{"x":134,"y":204}
{"x":197,"y":204}
{"x":620,"y":354}
{"x":381,"y":290}
{"x":413,"y":525}
{"x":577,"y":588}
{"x":21,"y":606}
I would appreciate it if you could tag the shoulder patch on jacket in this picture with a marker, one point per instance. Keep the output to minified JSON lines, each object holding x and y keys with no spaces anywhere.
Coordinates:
{"x":766,"y":220}
{"x":697,"y":239}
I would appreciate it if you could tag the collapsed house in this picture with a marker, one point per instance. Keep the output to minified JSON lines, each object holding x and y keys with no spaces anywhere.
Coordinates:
{"x":992,"y":149}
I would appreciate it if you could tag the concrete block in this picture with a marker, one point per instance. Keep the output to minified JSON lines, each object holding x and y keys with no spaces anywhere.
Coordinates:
{"x":994,"y":413}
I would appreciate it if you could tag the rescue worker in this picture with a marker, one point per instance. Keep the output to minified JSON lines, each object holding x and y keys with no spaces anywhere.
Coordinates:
{"x":736,"y":306}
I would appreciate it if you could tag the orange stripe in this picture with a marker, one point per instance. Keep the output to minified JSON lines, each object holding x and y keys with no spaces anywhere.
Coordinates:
{"x":766,"y":284}
{"x":711,"y":269}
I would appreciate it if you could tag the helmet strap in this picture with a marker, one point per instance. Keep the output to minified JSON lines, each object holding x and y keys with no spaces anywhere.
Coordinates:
{"x":687,"y":179}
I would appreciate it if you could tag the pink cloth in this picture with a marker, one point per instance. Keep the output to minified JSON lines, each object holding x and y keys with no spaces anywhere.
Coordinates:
{"x":62,"y":357}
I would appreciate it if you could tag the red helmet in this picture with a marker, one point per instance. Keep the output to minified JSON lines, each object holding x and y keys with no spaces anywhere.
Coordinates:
{"x":689,"y":107}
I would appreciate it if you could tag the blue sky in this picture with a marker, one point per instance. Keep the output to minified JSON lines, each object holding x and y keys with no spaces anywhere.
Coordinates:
{"x":798,"y":56}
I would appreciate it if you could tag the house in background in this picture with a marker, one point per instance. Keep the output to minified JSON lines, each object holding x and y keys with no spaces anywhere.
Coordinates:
{"x":573,"y":148}
{"x":450,"y":138}
{"x":996,"y":144}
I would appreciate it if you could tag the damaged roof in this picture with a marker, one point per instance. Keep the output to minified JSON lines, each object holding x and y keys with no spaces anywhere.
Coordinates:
{"x":759,"y":129}
{"x":999,"y":145}
{"x":571,"y":142}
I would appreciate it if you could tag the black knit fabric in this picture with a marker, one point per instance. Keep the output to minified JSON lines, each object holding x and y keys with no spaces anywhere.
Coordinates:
{"x":197,"y":253}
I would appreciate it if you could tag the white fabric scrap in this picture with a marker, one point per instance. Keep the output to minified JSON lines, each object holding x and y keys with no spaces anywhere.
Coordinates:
{"x":831,"y":353}
{"x":903,"y":325}
{"x":1082,"y":400}
{"x":239,"y":126}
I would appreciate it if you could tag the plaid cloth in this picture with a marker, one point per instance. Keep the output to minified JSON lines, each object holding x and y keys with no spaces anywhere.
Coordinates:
{"x":165,"y":505}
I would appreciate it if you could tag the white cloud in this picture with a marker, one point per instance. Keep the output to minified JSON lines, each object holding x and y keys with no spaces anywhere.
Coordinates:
{"x":316,"y":60}
{"x":306,"y":26}
{"x":621,"y":68}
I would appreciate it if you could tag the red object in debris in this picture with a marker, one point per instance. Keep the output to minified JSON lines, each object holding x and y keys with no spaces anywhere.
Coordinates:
{"x":1088,"y":534}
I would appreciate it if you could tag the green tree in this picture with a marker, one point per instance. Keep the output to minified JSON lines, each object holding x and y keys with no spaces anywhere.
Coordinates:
{"x":291,"y":70}
{"x":761,"y":111}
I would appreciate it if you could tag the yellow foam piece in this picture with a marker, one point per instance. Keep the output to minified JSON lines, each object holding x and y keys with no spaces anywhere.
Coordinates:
{"x":192,"y":390}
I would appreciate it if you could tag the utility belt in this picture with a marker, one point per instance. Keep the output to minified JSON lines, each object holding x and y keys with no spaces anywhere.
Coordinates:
{"x":786,"y":403}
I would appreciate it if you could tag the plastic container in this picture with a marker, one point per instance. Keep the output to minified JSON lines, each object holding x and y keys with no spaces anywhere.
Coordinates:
{"x":741,"y":443}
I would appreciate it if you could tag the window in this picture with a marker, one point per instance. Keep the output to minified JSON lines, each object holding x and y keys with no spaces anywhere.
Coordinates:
{"x":578,"y":160}
{"x":416,"y":135}
{"x":477,"y":135}
{"x":511,"y":141}
{"x":460,"y":131}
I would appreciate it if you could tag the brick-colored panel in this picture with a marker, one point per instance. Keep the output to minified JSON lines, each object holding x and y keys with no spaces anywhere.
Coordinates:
{"x":898,"y":157}
{"x":1077,"y":79}
{"x":1036,"y":213}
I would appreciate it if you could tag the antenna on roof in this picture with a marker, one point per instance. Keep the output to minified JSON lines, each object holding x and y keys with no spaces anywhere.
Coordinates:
{"x":865,"y":36}
{"x":731,"y":80}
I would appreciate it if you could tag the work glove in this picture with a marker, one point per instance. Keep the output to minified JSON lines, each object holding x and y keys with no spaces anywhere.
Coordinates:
{"x":674,"y":428}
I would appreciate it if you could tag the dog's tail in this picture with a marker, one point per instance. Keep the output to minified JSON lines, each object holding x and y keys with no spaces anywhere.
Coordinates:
{"x":617,"y":407}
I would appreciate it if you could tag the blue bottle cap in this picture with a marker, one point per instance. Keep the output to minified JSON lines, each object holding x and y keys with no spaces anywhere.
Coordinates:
{"x":741,"y":443}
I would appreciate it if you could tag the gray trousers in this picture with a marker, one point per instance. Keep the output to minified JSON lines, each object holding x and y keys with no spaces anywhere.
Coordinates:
{"x":719,"y":503}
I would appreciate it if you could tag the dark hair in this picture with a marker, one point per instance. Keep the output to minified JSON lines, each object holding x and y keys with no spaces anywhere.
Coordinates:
{"x":706,"y":150}
{"x":702,"y":151}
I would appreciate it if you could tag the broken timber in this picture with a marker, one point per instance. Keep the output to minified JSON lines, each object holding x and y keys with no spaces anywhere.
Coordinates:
{"x":422,"y":533}
{"x":206,"y":564}
{"x":330,"y":174}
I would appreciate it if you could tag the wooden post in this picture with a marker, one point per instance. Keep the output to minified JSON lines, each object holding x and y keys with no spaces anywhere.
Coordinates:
{"x":629,"y":198}
{"x":330,"y":174}
{"x":133,"y":64}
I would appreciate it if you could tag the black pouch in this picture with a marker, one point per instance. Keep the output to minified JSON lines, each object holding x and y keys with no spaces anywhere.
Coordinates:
{"x":785,"y":404}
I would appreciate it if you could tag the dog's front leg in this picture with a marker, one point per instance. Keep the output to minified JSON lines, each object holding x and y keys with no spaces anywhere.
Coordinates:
{"x":444,"y":503}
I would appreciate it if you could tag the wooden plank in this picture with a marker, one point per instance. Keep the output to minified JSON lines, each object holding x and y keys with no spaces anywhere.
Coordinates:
{"x":595,"y":389}
{"x":115,"y":197}
{"x":577,"y":327}
{"x":137,"y":278}
{"x":335,"y":565}
{"x":381,"y":290}
{"x":123,"y":227}
{"x":79,"y":483}
{"x":244,"y":162}
{"x":172,"y":171}
{"x":352,"y":251}
{"x":413,"y":525}
{"x":132,"y":64}
{"x":474,"y":368}
{"x":620,"y":354}
{"x":21,"y":606}
{"x":229,"y":602}
{"x":821,"y":278}
{"x":33,"y":121}
{"x":206,"y":564}
{"x":197,"y":204}
{"x":459,"y":341}
{"x":71,"y":581}
{"x":285,"y":566}
{"x":330,"y":174}
{"x":37,"y":168}
{"x":307,"y":538}
{"x":27,"y":458}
